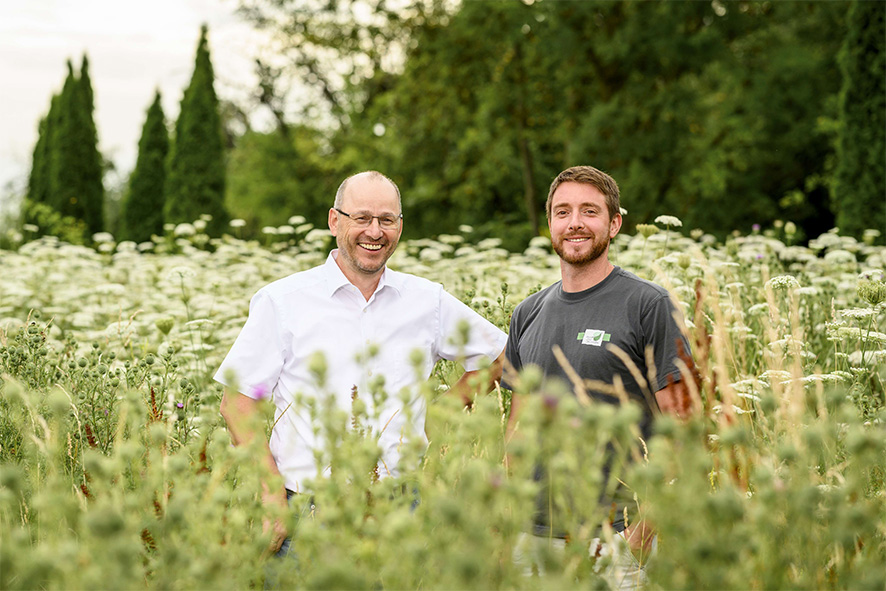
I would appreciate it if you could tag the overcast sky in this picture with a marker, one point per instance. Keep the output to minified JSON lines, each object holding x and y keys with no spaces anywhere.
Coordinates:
{"x":134,"y":47}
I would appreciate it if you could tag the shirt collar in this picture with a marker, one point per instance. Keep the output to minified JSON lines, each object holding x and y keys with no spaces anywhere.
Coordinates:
{"x":335,"y":279}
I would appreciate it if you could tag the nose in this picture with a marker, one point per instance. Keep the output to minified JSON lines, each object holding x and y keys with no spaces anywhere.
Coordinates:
{"x":576,"y":221}
{"x":374,"y":229}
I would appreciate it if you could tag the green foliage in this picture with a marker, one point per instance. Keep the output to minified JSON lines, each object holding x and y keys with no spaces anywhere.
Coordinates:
{"x":143,"y":204}
{"x":273,"y":176}
{"x":687,"y":105}
{"x":860,"y":183}
{"x":49,"y":222}
{"x":195,"y":182}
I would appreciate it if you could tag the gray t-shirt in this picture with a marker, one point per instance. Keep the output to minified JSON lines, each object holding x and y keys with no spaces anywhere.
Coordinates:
{"x":622,"y":310}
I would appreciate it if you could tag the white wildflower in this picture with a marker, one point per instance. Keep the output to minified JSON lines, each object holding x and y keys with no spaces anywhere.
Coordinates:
{"x":857,"y":313}
{"x":839,"y":257}
{"x":318,"y":235}
{"x":775,"y":374}
{"x":489,"y":243}
{"x":783,"y":282}
{"x":184,"y":229}
{"x":296,"y":220}
{"x":103,"y":237}
{"x":669,"y":220}
{"x":237,"y":223}
{"x":270,"y":230}
{"x":465,"y":229}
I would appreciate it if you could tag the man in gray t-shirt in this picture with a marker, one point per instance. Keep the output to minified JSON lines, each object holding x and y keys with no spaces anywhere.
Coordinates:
{"x":595,"y":308}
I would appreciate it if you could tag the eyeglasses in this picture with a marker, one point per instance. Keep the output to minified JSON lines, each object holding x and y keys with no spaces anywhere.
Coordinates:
{"x":387,"y":221}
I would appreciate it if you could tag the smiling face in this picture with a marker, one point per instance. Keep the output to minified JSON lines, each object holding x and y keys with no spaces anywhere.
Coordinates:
{"x":580,"y":224}
{"x":363,"y":251}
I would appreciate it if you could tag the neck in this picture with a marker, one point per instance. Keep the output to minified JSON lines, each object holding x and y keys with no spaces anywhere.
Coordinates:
{"x":365,"y":282}
{"x":582,"y":277}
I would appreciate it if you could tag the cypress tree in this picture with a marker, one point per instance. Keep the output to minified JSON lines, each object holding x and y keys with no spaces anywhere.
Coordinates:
{"x":38,"y":179}
{"x":75,"y":171}
{"x":143,"y":205}
{"x":90,"y":160}
{"x":860,"y":183}
{"x":195,"y":183}
{"x":64,"y":190}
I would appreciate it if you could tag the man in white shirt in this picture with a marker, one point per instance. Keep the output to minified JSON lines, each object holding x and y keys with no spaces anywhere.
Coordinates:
{"x":367,"y":321}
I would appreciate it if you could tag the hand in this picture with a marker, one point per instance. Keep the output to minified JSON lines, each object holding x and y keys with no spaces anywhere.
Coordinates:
{"x":639,"y":537}
{"x":278,"y":533}
{"x":275,"y":502}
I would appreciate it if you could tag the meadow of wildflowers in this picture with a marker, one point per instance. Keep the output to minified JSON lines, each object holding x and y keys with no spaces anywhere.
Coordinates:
{"x":116,"y":470}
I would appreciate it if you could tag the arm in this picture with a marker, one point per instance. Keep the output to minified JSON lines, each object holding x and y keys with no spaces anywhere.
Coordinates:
{"x":674,"y":400}
{"x":242,"y":415}
{"x":463,"y":386}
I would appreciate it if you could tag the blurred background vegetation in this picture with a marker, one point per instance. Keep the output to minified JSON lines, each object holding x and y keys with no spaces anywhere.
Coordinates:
{"x":724,"y":114}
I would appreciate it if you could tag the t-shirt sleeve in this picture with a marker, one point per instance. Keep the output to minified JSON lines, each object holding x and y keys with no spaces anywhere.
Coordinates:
{"x":663,"y":334}
{"x":512,"y":352}
{"x":484,"y":340}
{"x":256,"y":358}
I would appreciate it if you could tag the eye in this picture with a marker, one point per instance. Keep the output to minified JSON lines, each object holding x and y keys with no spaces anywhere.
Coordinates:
{"x":387,"y":220}
{"x":561,"y":212}
{"x":362,"y":219}
{"x":589,"y":211}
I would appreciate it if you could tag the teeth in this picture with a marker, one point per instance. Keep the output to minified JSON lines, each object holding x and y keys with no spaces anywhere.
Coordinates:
{"x":371,"y":246}
{"x":576,"y":239}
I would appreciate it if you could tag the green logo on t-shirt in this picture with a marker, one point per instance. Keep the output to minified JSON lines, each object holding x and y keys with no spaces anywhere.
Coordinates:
{"x":592,"y":336}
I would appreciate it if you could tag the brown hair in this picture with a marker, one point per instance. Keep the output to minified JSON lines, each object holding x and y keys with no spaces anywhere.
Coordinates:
{"x":588,"y":175}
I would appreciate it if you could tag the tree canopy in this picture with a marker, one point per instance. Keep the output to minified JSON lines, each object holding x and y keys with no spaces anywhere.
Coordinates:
{"x":717,"y":113}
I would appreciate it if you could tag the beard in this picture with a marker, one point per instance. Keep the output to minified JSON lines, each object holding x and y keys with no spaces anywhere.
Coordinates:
{"x":350,"y":250}
{"x":598,"y":249}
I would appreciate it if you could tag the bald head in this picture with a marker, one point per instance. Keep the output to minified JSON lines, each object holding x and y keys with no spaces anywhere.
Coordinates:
{"x":369,"y":175}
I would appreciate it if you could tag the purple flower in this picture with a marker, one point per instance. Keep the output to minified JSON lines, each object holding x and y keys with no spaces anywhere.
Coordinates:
{"x":260,"y":392}
{"x":756,"y":227}
{"x":180,"y":404}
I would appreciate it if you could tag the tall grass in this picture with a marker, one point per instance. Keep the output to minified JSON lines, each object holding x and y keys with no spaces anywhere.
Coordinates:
{"x":116,"y":470}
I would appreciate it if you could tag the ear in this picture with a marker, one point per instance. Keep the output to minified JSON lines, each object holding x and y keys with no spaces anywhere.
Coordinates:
{"x":614,"y":226}
{"x":333,"y":221}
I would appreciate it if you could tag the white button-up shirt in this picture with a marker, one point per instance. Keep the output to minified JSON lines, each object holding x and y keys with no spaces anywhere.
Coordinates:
{"x":319,"y":310}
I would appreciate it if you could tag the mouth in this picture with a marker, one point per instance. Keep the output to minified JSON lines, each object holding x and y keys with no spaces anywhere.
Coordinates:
{"x":369,"y":246}
{"x":577,"y":239}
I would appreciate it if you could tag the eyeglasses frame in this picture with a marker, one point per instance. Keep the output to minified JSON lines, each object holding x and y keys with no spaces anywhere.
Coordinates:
{"x":398,"y":217}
